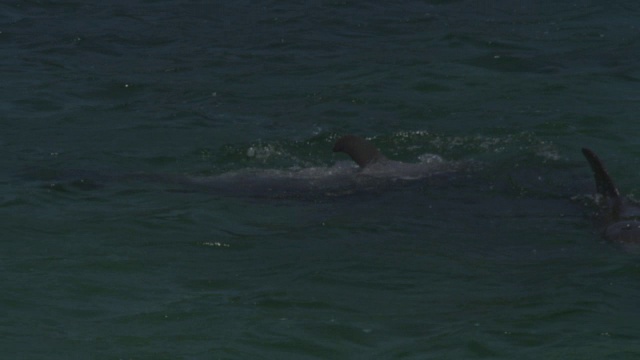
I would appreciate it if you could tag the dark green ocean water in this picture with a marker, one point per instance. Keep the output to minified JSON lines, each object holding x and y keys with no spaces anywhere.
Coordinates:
{"x":498,"y":261}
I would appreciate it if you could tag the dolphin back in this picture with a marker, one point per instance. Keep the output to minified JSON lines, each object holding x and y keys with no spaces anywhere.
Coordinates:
{"x":361,"y":150}
{"x":604,"y":183}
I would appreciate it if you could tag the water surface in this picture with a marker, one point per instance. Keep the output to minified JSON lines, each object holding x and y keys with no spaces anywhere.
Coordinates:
{"x":498,"y":262}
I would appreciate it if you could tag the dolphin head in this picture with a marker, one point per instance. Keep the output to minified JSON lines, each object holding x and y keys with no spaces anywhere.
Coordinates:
{"x":361,"y":151}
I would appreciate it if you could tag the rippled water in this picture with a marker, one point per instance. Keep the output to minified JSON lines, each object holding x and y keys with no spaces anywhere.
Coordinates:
{"x":108,"y":253}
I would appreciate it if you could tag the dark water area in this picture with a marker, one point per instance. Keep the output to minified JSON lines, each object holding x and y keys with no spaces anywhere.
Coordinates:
{"x":168,"y":189}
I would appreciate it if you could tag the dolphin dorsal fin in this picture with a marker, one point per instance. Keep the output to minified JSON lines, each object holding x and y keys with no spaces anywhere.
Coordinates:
{"x":604,"y":184}
{"x":362,"y":151}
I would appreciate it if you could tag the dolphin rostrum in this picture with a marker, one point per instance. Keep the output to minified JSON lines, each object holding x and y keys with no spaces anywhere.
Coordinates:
{"x":620,"y":216}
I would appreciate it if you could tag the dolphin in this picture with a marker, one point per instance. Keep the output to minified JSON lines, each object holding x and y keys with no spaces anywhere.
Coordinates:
{"x":375,"y":173}
{"x":618,"y":215}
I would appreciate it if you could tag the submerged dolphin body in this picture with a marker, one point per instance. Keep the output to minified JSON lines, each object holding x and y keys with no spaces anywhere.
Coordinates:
{"x":619,"y":216}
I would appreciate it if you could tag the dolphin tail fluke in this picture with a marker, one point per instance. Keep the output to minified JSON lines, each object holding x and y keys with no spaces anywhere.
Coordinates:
{"x":604,"y":183}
